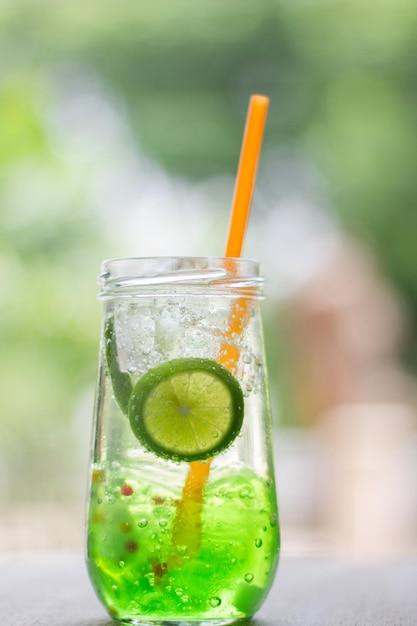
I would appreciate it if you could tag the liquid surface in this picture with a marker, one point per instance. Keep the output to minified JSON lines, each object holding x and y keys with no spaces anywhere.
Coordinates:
{"x":140,"y":571}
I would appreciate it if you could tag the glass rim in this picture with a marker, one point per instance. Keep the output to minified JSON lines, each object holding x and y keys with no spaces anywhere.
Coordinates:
{"x":127,"y":275}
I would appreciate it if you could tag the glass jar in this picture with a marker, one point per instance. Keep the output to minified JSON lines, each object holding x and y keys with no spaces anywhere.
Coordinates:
{"x":182,"y":511}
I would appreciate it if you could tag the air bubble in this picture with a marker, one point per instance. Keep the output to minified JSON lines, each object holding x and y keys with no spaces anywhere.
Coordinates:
{"x":163,"y":523}
{"x":248,"y":578}
{"x":122,"y":564}
{"x":214,"y":602}
{"x":258,"y":542}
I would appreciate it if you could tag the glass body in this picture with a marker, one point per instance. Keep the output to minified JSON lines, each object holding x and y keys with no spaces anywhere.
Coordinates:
{"x":168,"y":540}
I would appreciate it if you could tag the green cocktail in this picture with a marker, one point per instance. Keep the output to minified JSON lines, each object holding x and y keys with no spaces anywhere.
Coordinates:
{"x":130,"y":546}
{"x":182,"y":516}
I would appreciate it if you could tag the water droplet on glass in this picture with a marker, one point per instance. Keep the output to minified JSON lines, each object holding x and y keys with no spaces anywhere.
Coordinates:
{"x":163,"y":523}
{"x":121,"y":564}
{"x":215,"y":602}
{"x":179,"y":591}
{"x":248,"y":578}
{"x":143,"y":523}
{"x":258,"y":542}
{"x":274,"y":520}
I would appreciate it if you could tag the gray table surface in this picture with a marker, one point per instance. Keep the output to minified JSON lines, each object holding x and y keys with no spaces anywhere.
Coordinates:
{"x":53,"y":590}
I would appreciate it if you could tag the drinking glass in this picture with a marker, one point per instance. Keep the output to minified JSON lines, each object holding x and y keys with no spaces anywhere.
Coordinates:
{"x":182,"y":532}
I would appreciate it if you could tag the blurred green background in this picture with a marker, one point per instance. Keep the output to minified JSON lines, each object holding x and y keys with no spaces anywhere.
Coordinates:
{"x":120,"y":130}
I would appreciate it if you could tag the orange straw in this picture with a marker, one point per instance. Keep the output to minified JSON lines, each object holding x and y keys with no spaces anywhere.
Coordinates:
{"x":187,"y":527}
{"x":245,"y":181}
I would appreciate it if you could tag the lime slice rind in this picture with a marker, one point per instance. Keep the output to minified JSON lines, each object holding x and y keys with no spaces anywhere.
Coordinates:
{"x":121,"y":381}
{"x":186,"y":409}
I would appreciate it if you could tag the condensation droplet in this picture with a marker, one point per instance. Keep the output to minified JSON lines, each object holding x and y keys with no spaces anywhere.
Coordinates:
{"x":273,"y":521}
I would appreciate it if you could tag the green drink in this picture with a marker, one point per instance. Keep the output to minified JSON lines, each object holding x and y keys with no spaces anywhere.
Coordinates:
{"x":130,"y":547}
{"x":182,"y":517}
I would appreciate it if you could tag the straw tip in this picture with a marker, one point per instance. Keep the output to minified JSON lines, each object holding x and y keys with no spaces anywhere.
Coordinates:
{"x":260,"y":98}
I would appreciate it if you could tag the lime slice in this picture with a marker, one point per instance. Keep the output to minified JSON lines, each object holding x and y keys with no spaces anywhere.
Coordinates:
{"x":186,"y":409}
